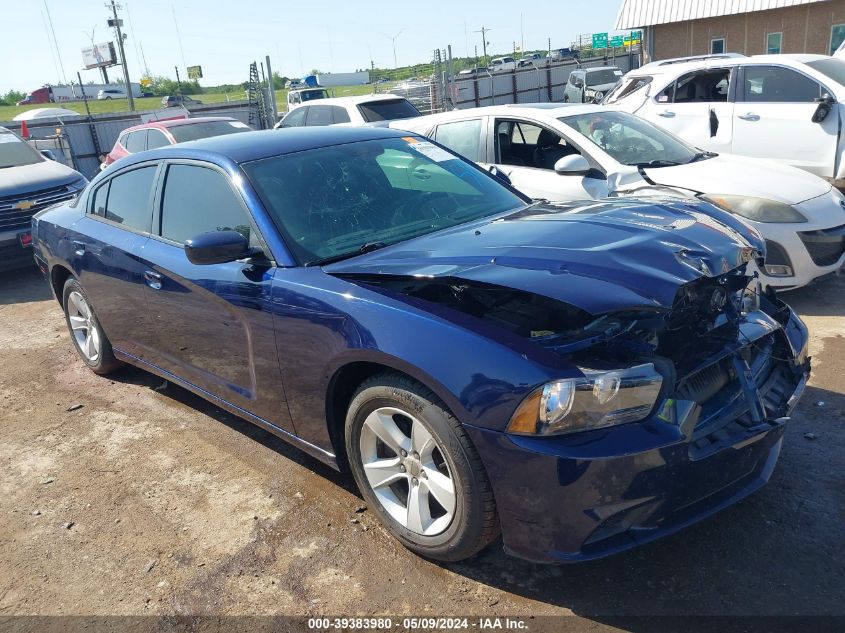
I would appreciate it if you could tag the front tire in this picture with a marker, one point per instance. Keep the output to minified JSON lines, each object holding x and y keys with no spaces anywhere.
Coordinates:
{"x":89,"y":340}
{"x":418,"y":470}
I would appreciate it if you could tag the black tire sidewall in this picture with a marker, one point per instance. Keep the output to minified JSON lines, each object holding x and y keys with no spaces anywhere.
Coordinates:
{"x":466,"y":528}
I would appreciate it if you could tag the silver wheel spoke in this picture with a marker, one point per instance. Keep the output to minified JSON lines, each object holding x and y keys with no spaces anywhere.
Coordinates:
{"x":89,"y":345}
{"x":78,"y":323}
{"x":381,"y":423}
{"x":384,"y":472}
{"x":419,"y":517}
{"x":441,"y":487}
{"x":421,"y":440}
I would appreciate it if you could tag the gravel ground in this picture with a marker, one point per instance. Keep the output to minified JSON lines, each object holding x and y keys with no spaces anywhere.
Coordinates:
{"x":129,"y":496}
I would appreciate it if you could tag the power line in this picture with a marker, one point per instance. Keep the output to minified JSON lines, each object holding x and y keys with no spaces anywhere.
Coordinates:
{"x":55,"y":43}
{"x":178,"y":35}
{"x":50,"y":47}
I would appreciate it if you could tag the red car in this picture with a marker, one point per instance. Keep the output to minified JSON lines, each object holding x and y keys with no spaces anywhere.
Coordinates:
{"x":169,"y":132}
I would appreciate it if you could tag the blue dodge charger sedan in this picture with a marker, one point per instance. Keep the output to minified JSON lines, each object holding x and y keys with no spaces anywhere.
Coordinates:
{"x":582,"y":378}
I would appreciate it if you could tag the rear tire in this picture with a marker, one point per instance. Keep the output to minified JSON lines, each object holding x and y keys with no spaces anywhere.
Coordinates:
{"x":418,"y":470}
{"x":86,"y":333}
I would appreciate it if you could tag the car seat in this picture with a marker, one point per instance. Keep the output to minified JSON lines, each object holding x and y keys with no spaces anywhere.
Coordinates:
{"x":549,"y":150}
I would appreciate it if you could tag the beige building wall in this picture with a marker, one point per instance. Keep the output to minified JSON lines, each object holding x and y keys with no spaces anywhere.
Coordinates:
{"x":806,"y":29}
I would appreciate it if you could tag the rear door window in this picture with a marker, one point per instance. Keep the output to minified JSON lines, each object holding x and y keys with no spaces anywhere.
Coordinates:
{"x":776,"y":84}
{"x":296,"y":118}
{"x":463,"y":137}
{"x":319,"y":116}
{"x":136,"y":141}
{"x":156,"y":138}
{"x":128,"y":198}
{"x":339,"y":115}
{"x":200,"y":200}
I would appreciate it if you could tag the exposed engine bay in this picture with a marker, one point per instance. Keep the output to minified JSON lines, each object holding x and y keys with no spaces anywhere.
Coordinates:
{"x":721,"y":340}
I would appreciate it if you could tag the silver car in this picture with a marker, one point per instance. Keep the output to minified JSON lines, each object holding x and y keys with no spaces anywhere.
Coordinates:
{"x":589,"y":85}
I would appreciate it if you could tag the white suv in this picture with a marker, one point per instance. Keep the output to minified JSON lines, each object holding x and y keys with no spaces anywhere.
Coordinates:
{"x":359,"y":110}
{"x":782,"y":107}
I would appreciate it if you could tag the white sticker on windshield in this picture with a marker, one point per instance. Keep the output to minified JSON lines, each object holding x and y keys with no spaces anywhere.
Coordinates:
{"x":432,"y":152}
{"x":238,"y":124}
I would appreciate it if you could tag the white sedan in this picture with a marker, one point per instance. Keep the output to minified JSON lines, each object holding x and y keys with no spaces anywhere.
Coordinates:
{"x":572,"y":152}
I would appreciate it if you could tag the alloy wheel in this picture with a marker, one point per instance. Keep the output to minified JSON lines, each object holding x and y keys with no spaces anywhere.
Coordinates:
{"x":83,"y":326}
{"x":407,"y":471}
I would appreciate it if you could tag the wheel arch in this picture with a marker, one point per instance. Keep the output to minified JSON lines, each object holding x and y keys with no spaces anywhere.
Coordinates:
{"x":348,"y":376}
{"x":59,"y":275}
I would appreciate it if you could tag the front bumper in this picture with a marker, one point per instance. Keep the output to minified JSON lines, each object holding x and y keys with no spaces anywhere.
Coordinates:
{"x":13,"y":253}
{"x":812,"y":250}
{"x":587,"y":495}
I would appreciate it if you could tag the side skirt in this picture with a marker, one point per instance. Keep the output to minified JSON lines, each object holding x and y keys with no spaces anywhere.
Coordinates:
{"x":315,"y":451}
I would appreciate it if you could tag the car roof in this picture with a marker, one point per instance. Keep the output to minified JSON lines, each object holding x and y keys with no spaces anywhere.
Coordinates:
{"x":166,"y":123}
{"x":528,"y":110}
{"x":355,"y":100}
{"x":600,"y":68}
{"x":249,"y":146}
{"x":681,"y":66}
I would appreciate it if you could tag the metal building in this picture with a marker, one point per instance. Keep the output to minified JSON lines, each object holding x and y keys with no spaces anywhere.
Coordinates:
{"x":676,"y":28}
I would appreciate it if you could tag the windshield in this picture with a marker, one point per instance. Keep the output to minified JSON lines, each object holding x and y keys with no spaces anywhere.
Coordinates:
{"x":604,"y":76}
{"x":14,"y":152}
{"x":626,"y":87}
{"x":341,"y":200}
{"x":388,"y":110}
{"x":631,"y":140}
{"x":831,"y":67}
{"x":194,"y":131}
{"x":310,"y":95}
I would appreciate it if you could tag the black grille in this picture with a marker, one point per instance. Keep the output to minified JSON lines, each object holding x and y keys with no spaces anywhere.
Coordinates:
{"x":776,"y":255}
{"x":825,"y":246}
{"x":704,"y":384}
{"x":14,"y":219}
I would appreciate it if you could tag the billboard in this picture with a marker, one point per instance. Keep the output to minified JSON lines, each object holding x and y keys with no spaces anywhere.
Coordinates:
{"x":194,"y":72}
{"x":99,"y":55}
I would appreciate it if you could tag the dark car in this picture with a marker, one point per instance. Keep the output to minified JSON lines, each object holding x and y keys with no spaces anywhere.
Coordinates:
{"x":173,"y":101}
{"x":29,"y":182}
{"x":584,"y":377}
{"x":155,"y":134}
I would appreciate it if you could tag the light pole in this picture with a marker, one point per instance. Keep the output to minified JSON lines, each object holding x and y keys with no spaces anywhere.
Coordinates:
{"x":393,"y":39}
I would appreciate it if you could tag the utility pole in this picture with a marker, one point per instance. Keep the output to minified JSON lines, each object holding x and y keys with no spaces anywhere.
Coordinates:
{"x":117,"y":23}
{"x":483,"y":32}
{"x":178,"y":81}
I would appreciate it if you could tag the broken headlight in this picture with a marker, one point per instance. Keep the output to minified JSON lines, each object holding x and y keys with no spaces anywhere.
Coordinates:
{"x":757,"y":209}
{"x":599,"y":399}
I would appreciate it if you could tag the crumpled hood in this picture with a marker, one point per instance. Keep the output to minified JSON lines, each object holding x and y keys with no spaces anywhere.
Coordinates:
{"x":598,"y":256}
{"x":26,"y":178}
{"x":602,"y":87}
{"x":727,"y":174}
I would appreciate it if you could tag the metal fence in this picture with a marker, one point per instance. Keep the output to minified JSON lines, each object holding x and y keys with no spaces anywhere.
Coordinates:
{"x":81,"y":142}
{"x":540,"y":81}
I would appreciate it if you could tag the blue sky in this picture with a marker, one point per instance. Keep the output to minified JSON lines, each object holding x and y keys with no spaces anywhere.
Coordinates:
{"x":225,"y":36}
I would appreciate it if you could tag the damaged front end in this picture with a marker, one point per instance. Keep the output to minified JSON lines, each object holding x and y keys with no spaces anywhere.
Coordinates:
{"x":724,"y":361}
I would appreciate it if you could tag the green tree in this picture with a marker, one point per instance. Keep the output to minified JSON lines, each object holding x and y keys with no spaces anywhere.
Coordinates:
{"x":11,"y":97}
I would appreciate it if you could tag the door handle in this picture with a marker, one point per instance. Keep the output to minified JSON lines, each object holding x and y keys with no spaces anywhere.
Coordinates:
{"x":78,"y":248}
{"x":749,"y":116}
{"x":666,"y":113}
{"x":153,"y":279}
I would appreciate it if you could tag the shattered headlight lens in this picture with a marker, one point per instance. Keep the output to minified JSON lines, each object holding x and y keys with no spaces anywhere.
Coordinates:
{"x":756,"y":209}
{"x":599,"y":399}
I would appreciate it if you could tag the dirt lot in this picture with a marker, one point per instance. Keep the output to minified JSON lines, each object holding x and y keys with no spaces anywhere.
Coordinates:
{"x":148,"y":500}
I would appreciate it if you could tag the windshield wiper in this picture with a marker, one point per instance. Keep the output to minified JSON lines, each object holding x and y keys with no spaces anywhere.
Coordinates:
{"x":659,"y":163}
{"x":364,"y":248}
{"x":702,"y":156}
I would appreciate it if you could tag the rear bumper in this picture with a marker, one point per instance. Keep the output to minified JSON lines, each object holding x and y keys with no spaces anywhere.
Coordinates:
{"x":588,"y":495}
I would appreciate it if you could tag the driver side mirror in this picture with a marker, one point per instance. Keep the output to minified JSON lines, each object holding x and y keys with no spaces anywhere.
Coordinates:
{"x":48,"y":153}
{"x":572,"y":165}
{"x":499,"y":174}
{"x":823,"y":109}
{"x":216,"y":247}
